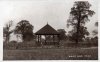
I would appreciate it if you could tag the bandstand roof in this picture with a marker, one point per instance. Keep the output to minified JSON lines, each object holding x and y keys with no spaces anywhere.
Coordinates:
{"x":47,"y":30}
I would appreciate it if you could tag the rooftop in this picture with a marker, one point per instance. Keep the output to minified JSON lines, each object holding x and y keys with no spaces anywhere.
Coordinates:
{"x":47,"y":30}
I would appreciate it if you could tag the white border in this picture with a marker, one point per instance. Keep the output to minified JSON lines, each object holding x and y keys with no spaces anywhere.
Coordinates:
{"x":1,"y":43}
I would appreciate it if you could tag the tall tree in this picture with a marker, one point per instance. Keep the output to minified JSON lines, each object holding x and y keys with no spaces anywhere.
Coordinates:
{"x":24,"y":28}
{"x":79,"y":16}
{"x":7,"y":31}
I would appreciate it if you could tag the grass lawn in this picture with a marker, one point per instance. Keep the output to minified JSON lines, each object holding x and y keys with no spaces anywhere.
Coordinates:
{"x":52,"y":54}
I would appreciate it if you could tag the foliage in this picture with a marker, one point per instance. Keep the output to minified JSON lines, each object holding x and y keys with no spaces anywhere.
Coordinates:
{"x":96,"y":24}
{"x":92,"y":41}
{"x":95,"y":32}
{"x":24,"y":28}
{"x":7,"y":31}
{"x":79,"y":16}
{"x":62,"y":33}
{"x":82,"y":33}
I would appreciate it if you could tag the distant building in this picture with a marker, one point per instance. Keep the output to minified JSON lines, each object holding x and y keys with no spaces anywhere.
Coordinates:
{"x":15,"y":37}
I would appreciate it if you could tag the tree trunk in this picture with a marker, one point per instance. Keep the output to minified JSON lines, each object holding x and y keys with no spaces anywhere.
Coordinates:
{"x":77,"y":39}
{"x":7,"y":38}
{"x":78,"y":27}
{"x":23,"y":38}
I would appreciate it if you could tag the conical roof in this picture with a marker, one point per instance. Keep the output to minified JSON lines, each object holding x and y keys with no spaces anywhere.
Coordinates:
{"x":47,"y":30}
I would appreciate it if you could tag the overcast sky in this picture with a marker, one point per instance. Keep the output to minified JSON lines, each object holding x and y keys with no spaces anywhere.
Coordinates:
{"x":39,"y":12}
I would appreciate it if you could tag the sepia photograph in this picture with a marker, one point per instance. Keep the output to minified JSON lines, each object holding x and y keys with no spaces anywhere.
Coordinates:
{"x":50,"y":29}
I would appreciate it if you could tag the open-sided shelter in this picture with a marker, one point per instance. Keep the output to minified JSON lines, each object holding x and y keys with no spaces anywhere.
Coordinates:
{"x":47,"y":30}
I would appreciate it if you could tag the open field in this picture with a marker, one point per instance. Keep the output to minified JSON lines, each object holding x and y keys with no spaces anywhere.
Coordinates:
{"x":52,"y":54}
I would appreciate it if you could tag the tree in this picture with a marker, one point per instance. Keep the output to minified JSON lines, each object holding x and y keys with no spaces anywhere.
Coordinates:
{"x":96,"y":24}
{"x":26,"y":29}
{"x":7,"y":31}
{"x":79,"y":16}
{"x":82,"y":33}
{"x":95,"y":32}
{"x":62,"y":33}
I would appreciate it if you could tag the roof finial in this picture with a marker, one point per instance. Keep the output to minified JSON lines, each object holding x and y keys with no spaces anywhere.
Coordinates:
{"x":47,"y":22}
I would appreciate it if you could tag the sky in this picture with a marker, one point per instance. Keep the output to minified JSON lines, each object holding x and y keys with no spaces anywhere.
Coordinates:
{"x":41,"y":12}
